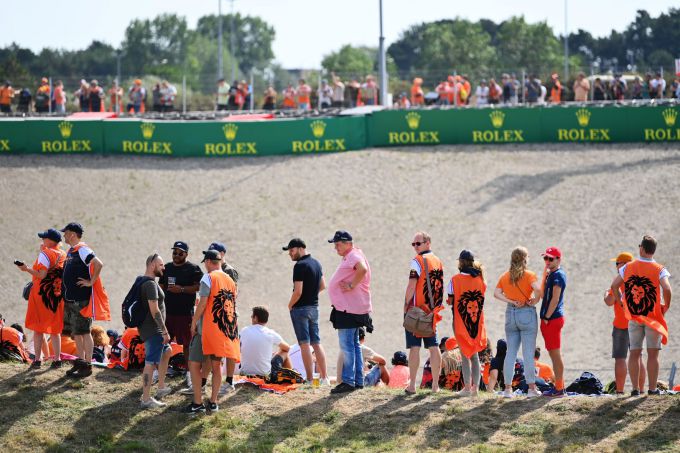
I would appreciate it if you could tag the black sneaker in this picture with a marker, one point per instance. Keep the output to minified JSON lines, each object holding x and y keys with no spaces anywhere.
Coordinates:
{"x":654,"y":392}
{"x":193,"y":409}
{"x":342,"y":388}
{"x":76,"y":366}
{"x":213,"y":407}
{"x":83,"y":371}
{"x":358,"y":387}
{"x":56,"y":364}
{"x":635,"y":392}
{"x":35,"y":365}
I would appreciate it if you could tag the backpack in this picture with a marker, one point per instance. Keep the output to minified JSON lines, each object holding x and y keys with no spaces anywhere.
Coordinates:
{"x":134,"y":311}
{"x":586,"y":384}
{"x":285,"y":376}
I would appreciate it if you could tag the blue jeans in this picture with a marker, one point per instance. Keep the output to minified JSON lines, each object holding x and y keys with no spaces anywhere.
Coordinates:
{"x":353,"y":361}
{"x":372,"y":378}
{"x":521,"y":326}
{"x":306,"y":324}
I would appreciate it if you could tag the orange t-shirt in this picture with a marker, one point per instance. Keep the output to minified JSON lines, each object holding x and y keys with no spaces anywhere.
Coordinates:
{"x":522,"y":290}
{"x":417,"y":96}
{"x":545,"y":371}
{"x":620,"y":321}
{"x":399,"y":377}
{"x":68,"y":346}
{"x":10,"y":340}
{"x":6,"y":94}
{"x":45,"y":313}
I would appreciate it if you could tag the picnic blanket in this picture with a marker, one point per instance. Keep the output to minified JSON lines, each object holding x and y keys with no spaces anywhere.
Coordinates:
{"x":260,"y":383}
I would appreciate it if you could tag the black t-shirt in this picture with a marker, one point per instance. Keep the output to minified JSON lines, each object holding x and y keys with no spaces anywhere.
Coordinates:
{"x":308,"y":271}
{"x":497,"y":364}
{"x":188,"y":274}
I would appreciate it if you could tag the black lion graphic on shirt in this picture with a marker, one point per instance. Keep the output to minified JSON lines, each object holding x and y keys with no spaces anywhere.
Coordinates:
{"x":50,"y":289}
{"x":640,"y":295}
{"x":224,"y":313}
{"x":437,"y":283}
{"x":470,"y":308}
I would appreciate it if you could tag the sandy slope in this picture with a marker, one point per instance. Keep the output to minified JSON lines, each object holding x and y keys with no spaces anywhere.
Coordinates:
{"x":591,"y":201}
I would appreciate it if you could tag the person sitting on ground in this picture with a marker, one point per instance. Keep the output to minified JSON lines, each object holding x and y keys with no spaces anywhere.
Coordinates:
{"x":399,"y":374}
{"x":132,"y":351}
{"x":101,"y":344}
{"x":543,"y":370}
{"x":485,"y":360}
{"x":496,"y":366}
{"x":375,"y":369}
{"x":257,"y":342}
{"x":114,"y":348}
{"x":12,"y":343}
{"x":451,"y":376}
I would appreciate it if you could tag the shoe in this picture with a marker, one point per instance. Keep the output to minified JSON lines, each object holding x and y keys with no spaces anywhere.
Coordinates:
{"x":193,"y":409}
{"x":532,"y":393}
{"x":358,"y":387}
{"x":409,"y":392}
{"x":154,"y":377}
{"x":213,"y":407}
{"x":83,"y":371}
{"x":464,"y":393}
{"x":325,"y":382}
{"x":56,"y":364}
{"x":554,"y":393}
{"x":190,"y":390}
{"x":508,"y":394}
{"x":160,"y":393}
{"x":153,"y":403}
{"x":620,"y":393}
{"x":342,"y":388}
{"x":77,"y":364}
{"x":635,"y":392}
{"x":35,"y":365}
{"x":654,"y":392}
{"x":226,"y":388}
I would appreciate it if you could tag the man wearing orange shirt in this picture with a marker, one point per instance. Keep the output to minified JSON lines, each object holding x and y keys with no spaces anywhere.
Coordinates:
{"x":303,"y":95}
{"x":6,"y":95}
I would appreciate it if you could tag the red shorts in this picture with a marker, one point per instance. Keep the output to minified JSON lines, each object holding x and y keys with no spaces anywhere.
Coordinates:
{"x":552,"y":333}
{"x":179,"y":328}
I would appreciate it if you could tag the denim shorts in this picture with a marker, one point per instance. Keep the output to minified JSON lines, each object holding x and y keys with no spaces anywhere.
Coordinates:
{"x":413,"y":341}
{"x":306,"y":324}
{"x":372,"y":378}
{"x":154,"y":349}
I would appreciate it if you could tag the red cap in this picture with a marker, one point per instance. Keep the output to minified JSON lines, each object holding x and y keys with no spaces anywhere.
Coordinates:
{"x":553,"y":252}
{"x":451,"y":344}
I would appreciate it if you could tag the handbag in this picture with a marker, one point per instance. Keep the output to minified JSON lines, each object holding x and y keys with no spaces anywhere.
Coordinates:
{"x":27,"y":290}
{"x":416,"y":320}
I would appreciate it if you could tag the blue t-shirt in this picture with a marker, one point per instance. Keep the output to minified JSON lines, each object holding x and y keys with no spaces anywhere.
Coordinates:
{"x":557,"y":278}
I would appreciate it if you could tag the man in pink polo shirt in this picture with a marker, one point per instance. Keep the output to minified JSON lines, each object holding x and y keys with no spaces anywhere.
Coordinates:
{"x":350,"y":294}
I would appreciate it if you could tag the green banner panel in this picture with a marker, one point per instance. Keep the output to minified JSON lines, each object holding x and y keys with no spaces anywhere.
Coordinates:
{"x":654,"y":124}
{"x":222,"y":139}
{"x":13,"y":136}
{"x":586,"y":124}
{"x":497,"y":126}
{"x":63,"y":136}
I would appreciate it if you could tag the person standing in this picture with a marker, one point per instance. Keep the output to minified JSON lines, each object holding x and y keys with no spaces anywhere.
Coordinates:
{"x":520,"y":289}
{"x":350,"y":294}
{"x":96,"y":97}
{"x":466,"y":296}
{"x":6,"y":96}
{"x":154,"y":334}
{"x":180,"y":282}
{"x":82,"y":288}
{"x":222,"y":95}
{"x":325,"y":95}
{"x":308,"y":282}
{"x":581,"y":88}
{"x":644,"y":281}
{"x":115,"y":97}
{"x":620,"y":340}
{"x":45,"y":313}
{"x":552,"y":315}
{"x":59,"y":97}
{"x":42,"y":96}
{"x":428,"y":296}
{"x":226,"y":267}
{"x":338,"y":92}
{"x":303,"y":94}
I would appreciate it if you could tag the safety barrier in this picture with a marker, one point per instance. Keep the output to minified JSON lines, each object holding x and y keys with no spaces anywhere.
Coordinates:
{"x":319,"y":135}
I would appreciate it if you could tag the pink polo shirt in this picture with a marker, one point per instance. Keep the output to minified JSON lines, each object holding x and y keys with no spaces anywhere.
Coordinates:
{"x":357,"y":300}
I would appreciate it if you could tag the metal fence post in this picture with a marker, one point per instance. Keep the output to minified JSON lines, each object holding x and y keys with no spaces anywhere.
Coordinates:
{"x":252,"y":91}
{"x":49,"y":100}
{"x":184,"y":94}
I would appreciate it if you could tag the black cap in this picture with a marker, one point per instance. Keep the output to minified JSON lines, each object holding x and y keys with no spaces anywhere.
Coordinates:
{"x":399,"y":358}
{"x":181,"y":245}
{"x":50,"y":233}
{"x":295,"y":242}
{"x":466,"y":255}
{"x":218,"y":246}
{"x":75,"y":227}
{"x":210,"y":255}
{"x":341,"y":235}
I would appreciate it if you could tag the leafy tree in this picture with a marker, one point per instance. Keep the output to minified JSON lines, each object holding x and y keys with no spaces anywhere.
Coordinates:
{"x":351,"y":61}
{"x":532,"y":47}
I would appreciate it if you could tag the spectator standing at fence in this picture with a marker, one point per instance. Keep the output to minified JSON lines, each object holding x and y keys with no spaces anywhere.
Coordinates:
{"x":555,"y":89}
{"x":636,"y":91}
{"x":42,"y":97}
{"x":59,"y":97}
{"x":543,"y":94}
{"x":325,"y":94}
{"x":465,"y":80}
{"x":247,"y":93}
{"x":508,"y":89}
{"x":532,"y":89}
{"x":115,"y":97}
{"x":156,"y":98}
{"x":368,"y":92}
{"x":352,"y":94}
{"x":495,"y":92}
{"x":657,"y":87}
{"x":168,"y":95}
{"x":482,"y":93}
{"x":82,"y":95}
{"x":417,"y":95}
{"x":581,"y":88}
{"x":598,"y":90}
{"x":289,"y":98}
{"x":6,"y":96}
{"x":443,"y":92}
{"x":338,"y":92}
{"x":137,"y":97}
{"x":222,"y":95}
{"x":619,"y":88}
{"x":303,"y":94}
{"x":96,"y":97}
{"x":269,"y":102}
{"x":402,"y":102}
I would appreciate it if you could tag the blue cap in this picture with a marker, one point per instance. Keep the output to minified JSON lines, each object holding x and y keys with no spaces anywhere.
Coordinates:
{"x":50,"y":233}
{"x":218,"y":246}
{"x":75,"y":227}
{"x":341,"y":236}
{"x":181,"y":245}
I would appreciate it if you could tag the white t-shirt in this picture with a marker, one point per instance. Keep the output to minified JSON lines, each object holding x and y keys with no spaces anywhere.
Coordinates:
{"x":482,"y":94}
{"x":257,"y":346}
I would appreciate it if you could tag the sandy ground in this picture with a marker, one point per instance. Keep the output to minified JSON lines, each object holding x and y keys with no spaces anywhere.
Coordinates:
{"x":591,"y":201}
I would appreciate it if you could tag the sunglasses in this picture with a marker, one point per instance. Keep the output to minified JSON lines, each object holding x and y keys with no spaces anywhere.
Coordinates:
{"x":178,"y":252}
{"x":416,"y":244}
{"x":619,"y":262}
{"x":548,"y":258}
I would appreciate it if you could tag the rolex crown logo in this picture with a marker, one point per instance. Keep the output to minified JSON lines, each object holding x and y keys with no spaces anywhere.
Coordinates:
{"x":669,"y":116}
{"x":413,"y":120}
{"x":583,"y":117}
{"x":497,"y":118}
{"x":65,"y":128}
{"x":318,"y":128}
{"x":147,"y":130}
{"x":230,"y":131}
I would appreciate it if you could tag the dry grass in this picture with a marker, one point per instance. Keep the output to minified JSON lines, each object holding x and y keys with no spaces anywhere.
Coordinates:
{"x":44,"y":411}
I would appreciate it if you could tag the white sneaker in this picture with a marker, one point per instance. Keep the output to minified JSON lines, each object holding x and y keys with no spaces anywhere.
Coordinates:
{"x":508,"y":394}
{"x":160,"y":393}
{"x":154,"y":378}
{"x":325,"y":382}
{"x":152,"y":404}
{"x":226,"y":388}
{"x":190,"y":390}
{"x":464,"y":393}
{"x":532,"y":393}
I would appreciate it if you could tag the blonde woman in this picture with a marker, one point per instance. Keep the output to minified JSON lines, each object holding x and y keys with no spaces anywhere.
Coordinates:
{"x":521,"y":290}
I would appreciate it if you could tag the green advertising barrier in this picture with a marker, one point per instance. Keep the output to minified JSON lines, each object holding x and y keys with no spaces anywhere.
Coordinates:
{"x":660,"y":124}
{"x":13,"y":136}
{"x":592,"y":124}
{"x":63,"y":136}
{"x":222,"y":139}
